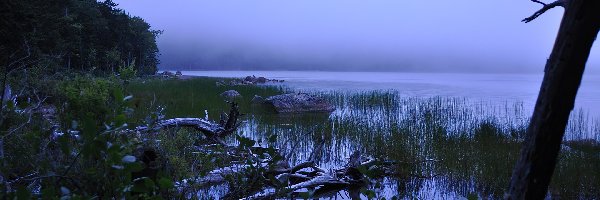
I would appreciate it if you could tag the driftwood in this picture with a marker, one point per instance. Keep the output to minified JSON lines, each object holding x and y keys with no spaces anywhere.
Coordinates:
{"x":210,"y":129}
{"x":288,"y":179}
{"x":308,"y":176}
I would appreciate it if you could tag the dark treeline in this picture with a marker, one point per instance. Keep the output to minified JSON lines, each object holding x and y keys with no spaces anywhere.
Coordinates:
{"x":78,"y":35}
{"x":64,"y":70}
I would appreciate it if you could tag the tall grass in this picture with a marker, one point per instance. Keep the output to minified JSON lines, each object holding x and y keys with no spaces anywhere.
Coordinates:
{"x":474,"y":144}
{"x":192,"y":97}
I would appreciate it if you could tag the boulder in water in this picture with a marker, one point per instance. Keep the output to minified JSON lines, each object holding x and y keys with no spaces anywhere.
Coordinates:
{"x":260,"y":80}
{"x":299,"y":102}
{"x":230,"y":94}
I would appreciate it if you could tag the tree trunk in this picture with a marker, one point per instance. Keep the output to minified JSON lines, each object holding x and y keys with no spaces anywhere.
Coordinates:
{"x":563,"y":73}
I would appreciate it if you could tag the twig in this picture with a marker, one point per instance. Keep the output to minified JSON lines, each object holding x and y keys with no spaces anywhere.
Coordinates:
{"x":536,"y":1}
{"x":561,"y":3}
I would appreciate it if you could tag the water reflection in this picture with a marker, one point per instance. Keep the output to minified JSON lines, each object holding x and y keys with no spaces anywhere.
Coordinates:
{"x":446,"y":147}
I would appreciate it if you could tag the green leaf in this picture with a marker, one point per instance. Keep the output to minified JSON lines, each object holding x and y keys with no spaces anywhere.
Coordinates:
{"x":120,"y":120}
{"x":165,"y":183}
{"x":48,"y":192}
{"x":89,"y":128}
{"x":369,"y":193}
{"x":134,"y":167}
{"x":472,"y":196}
{"x":118,"y":95}
{"x":143,"y":185}
{"x":23,"y":193}
{"x":10,"y":105}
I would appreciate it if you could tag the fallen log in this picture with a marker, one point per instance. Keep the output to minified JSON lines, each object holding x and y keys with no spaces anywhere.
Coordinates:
{"x":210,"y":129}
{"x":207,"y":127}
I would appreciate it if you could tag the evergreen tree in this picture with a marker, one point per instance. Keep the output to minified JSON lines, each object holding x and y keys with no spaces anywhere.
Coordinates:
{"x":83,"y":35}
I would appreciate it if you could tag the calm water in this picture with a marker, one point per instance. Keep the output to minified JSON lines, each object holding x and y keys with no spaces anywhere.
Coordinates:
{"x":495,"y":88}
{"x":423,"y":116}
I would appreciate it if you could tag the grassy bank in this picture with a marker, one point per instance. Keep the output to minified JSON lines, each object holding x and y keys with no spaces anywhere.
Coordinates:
{"x":462,"y":147}
{"x":465,"y":148}
{"x":192,"y":97}
{"x":444,"y":147}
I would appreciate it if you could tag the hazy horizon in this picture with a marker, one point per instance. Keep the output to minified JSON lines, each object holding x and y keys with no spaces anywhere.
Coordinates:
{"x":383,"y":35}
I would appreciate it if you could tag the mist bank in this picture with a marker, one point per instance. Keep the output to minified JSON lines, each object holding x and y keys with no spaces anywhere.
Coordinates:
{"x":381,"y":35}
{"x":189,"y":55}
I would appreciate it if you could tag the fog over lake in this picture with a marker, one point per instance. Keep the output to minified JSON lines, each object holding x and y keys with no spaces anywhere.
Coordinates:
{"x":335,"y":35}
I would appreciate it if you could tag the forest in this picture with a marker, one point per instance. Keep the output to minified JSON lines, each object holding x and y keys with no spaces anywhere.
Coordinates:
{"x":80,"y":36}
{"x":64,"y":63}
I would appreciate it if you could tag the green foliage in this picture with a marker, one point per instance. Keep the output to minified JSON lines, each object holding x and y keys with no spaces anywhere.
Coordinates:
{"x":191,"y":97}
{"x":98,"y":161}
{"x":85,"y":35}
{"x":92,"y":159}
{"x":89,"y":98}
{"x":180,"y":157}
{"x":126,"y":73}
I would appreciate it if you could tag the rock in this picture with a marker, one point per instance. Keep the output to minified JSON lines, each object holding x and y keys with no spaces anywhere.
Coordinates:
{"x":249,"y":78}
{"x":178,"y":73}
{"x":167,"y":74}
{"x":230,"y":94}
{"x":260,"y":80}
{"x":300,"y":102}
{"x":257,"y":99}
{"x":253,"y":80}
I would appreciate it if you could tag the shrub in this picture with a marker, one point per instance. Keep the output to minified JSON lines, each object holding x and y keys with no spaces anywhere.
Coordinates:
{"x":85,"y":97}
{"x":126,"y":73}
{"x":92,"y":161}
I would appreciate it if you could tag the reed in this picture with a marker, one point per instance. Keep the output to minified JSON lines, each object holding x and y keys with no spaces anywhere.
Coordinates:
{"x":474,"y":144}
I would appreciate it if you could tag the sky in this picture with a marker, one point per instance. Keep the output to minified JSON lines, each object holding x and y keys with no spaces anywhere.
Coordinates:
{"x":353,"y":35}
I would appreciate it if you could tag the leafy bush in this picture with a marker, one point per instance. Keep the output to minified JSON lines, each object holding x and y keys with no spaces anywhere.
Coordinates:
{"x":126,"y":73}
{"x":86,"y":97}
{"x":90,"y":160}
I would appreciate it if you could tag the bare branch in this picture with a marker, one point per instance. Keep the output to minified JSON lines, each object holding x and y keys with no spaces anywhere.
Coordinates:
{"x":561,"y":3}
{"x":536,"y":1}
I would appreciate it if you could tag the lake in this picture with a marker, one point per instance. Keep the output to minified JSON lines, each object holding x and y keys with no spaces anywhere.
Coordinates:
{"x":496,"y":88}
{"x":456,"y":135}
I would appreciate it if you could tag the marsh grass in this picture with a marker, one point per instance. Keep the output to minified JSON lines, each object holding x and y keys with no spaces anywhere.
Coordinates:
{"x":468,"y":148}
{"x":192,"y":97}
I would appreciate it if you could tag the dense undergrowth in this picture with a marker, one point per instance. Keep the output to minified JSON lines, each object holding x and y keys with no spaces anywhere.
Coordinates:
{"x":466,"y":149}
